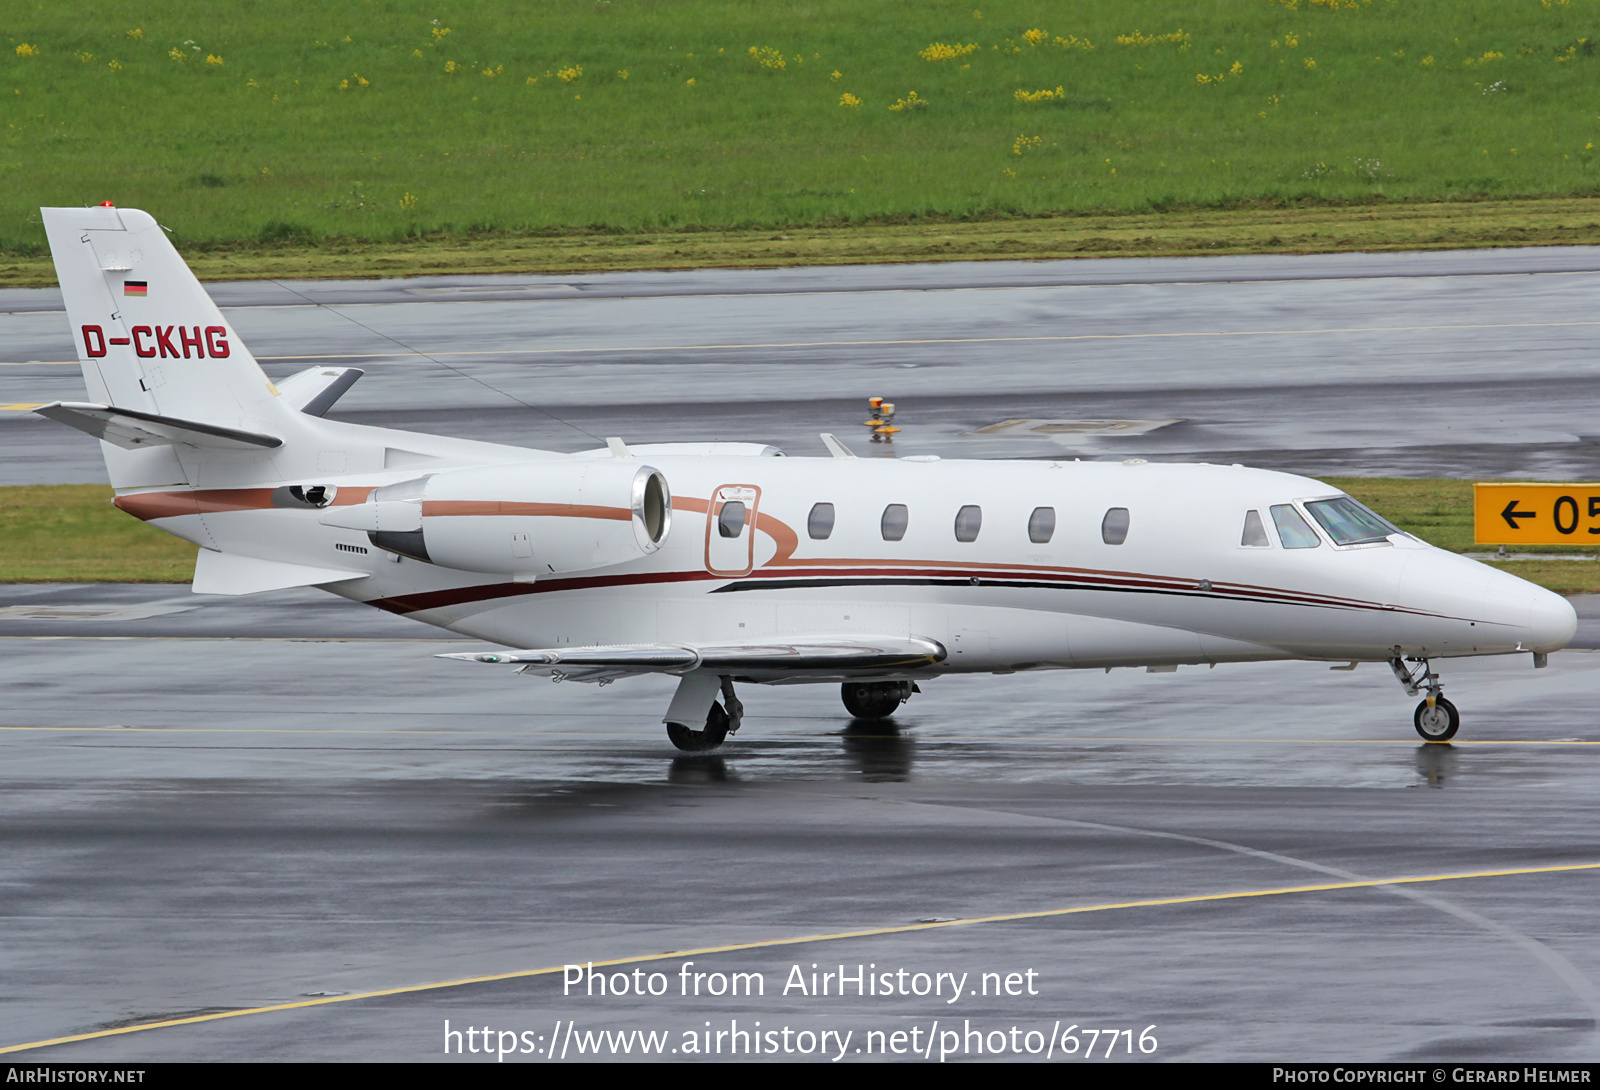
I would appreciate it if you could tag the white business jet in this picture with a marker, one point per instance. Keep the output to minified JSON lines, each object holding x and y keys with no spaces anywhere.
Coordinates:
{"x":726,"y":563}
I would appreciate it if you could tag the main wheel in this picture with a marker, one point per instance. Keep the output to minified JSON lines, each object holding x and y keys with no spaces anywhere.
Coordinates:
{"x":1438,"y":723}
{"x":699,"y":741}
{"x":873,"y":699}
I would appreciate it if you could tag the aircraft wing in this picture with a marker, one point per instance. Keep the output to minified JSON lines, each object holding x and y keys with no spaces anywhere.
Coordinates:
{"x":810,"y":657}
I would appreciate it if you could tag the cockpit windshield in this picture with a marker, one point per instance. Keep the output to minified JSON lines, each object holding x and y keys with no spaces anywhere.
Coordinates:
{"x":1349,"y":523}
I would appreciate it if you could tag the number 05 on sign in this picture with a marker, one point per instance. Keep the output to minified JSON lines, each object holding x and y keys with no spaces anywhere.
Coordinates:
{"x":1536,"y":514}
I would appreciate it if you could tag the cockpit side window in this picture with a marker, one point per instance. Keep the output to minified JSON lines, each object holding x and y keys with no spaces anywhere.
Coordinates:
{"x":1293,"y":530}
{"x":1349,"y":523}
{"x":1255,"y":534}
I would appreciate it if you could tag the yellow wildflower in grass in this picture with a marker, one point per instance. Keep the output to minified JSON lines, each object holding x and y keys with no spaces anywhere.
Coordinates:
{"x":1236,"y":69}
{"x":1039,"y":96}
{"x":177,"y":54}
{"x":837,"y":75}
{"x":115,"y":66}
{"x":86,"y":58}
{"x":531,"y":80}
{"x":1178,"y":38}
{"x":1035,"y":37}
{"x":416,"y":52}
{"x":910,"y":103}
{"x":570,"y":74}
{"x":26,"y":50}
{"x":767,"y":57}
{"x":1009,"y":173}
{"x":1427,"y":62}
{"x":1311,"y":63}
{"x":938,"y":51}
{"x":408,"y":202}
{"x":450,"y":68}
{"x":622,"y":73}
{"x":212,"y":58}
{"x":491,"y":73}
{"x":136,"y":34}
{"x":849,"y":100}
{"x":1072,"y":41}
{"x":440,"y":33}
{"x":1024,"y":144}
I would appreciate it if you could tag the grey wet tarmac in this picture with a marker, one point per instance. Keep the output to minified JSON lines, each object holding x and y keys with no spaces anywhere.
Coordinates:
{"x":1474,"y":364}
{"x":216,"y":804}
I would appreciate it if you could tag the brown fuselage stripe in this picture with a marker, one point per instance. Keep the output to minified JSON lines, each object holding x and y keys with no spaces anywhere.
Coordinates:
{"x":907,"y":575}
{"x":205,"y":501}
{"x":500,"y":508}
{"x":168,"y":504}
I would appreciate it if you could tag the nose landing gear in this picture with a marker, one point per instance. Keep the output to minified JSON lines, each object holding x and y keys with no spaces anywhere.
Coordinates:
{"x":1436,"y":719}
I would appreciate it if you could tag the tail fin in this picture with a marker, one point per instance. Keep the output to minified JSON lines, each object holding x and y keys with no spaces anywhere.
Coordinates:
{"x":149,"y":338}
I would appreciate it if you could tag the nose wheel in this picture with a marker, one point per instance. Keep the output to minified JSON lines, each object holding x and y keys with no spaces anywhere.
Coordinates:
{"x":1436,"y":719}
{"x":1439,"y":722}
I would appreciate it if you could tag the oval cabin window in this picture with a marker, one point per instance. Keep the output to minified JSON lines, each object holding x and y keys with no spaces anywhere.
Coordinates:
{"x":1114,"y":527}
{"x":895,"y":518}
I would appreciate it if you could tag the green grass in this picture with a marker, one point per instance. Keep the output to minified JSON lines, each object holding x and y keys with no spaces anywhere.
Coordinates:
{"x":339,"y":119}
{"x":72,"y":534}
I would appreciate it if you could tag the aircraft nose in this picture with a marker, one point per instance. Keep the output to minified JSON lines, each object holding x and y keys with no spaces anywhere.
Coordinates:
{"x":1552,"y":622}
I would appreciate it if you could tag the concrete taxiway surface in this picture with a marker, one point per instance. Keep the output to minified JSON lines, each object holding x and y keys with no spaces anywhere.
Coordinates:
{"x":251,"y":804}
{"x":1482,"y":363}
{"x":213,"y":805}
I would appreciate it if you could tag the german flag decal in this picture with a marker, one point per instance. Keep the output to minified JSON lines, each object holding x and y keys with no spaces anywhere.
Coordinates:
{"x":136,"y":287}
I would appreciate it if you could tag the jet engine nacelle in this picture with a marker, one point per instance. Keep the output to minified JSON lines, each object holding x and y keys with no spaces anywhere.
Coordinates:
{"x":531,"y":519}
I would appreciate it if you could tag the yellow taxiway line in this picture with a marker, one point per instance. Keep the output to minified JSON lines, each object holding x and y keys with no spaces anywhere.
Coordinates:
{"x":797,"y":940}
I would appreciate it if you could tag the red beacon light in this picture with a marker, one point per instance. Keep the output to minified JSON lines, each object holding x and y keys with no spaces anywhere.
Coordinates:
{"x":107,"y":204}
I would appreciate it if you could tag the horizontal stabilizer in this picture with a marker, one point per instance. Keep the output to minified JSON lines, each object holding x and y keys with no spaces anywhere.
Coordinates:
{"x":229,"y":573}
{"x":314,"y":390}
{"x":132,"y":429}
{"x":808,"y":655}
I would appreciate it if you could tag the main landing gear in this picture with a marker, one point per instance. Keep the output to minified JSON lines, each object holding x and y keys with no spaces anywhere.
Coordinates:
{"x":1436,"y":719}
{"x":697,"y":696}
{"x":876,"y":699}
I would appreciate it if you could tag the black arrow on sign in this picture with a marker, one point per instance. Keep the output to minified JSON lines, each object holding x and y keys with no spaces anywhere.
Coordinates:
{"x":1511,"y":514}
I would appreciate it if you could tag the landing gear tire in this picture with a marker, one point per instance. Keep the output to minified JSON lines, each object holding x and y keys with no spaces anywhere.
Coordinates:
{"x":701,"y":741}
{"x":1438,"y":723}
{"x":874,"y":699}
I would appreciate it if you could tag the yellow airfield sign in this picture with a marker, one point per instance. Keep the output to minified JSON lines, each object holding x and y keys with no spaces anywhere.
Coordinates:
{"x":1505,"y":513}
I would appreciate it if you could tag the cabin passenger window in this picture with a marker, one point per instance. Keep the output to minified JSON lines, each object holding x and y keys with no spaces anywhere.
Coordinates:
{"x":1042,"y":525}
{"x":969,"y":520}
{"x":894,"y":522}
{"x":1255,"y":534}
{"x":730,"y":520}
{"x":820,"y":523}
{"x":1292,"y":528}
{"x":1114,"y":527}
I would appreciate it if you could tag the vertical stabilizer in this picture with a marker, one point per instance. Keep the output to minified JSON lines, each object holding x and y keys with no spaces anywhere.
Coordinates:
{"x":148,"y":335}
{"x":149,"y":338}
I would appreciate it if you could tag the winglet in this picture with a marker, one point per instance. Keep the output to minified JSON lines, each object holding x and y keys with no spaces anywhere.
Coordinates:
{"x":835,"y":448}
